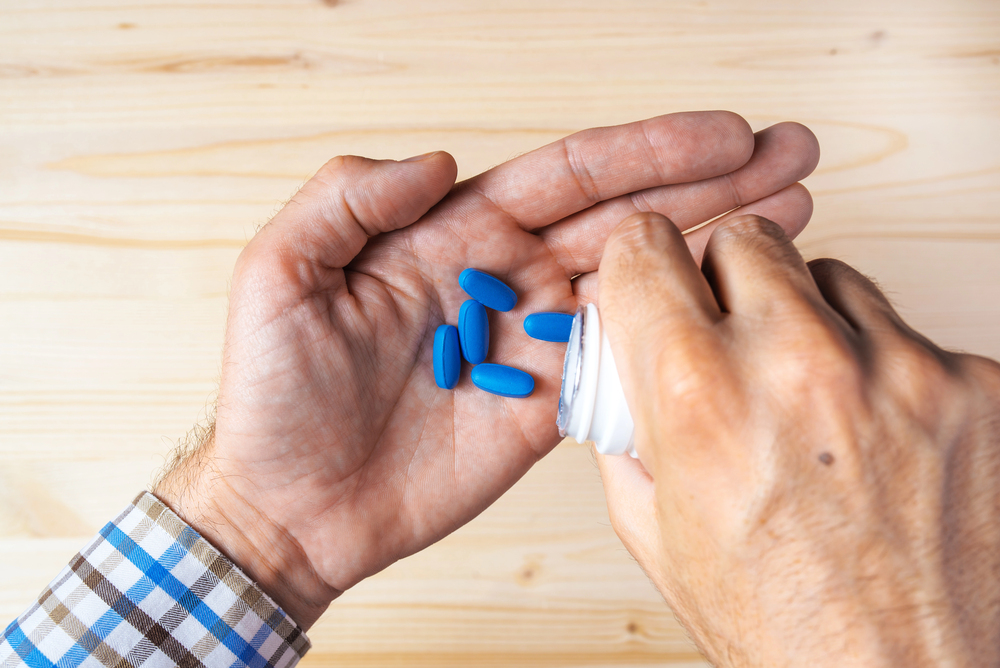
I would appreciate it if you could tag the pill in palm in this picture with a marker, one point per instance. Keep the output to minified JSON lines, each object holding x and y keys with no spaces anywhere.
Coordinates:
{"x":447,"y":358}
{"x":549,"y":326}
{"x":473,"y":331}
{"x":503,"y":380}
{"x":487,"y":290}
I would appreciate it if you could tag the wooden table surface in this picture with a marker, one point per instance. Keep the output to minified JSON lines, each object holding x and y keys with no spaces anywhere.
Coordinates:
{"x":141,"y":144}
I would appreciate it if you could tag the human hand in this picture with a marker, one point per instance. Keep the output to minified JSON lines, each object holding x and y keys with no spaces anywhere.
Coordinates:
{"x":334,"y":452}
{"x":819,"y":484}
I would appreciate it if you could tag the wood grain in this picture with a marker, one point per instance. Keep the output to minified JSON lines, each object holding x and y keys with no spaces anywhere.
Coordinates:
{"x":142,"y":144}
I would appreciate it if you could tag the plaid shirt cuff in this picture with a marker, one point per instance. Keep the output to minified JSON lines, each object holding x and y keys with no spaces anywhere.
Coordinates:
{"x":146,"y":592}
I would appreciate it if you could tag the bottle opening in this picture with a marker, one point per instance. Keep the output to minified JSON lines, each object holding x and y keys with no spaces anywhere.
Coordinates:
{"x":572,"y":363}
{"x":592,"y":405}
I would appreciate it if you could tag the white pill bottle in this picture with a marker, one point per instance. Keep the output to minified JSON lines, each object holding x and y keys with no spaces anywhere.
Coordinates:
{"x":591,"y":402}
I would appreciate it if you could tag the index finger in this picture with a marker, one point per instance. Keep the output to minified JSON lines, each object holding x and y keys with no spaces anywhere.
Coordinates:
{"x":659,"y":313}
{"x":572,"y":174}
{"x":650,"y":281}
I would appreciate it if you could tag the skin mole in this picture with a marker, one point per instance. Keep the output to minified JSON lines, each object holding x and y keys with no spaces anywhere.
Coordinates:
{"x":826,"y":458}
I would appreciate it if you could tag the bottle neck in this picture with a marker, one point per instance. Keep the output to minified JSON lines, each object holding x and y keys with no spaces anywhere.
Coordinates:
{"x":592,"y":404}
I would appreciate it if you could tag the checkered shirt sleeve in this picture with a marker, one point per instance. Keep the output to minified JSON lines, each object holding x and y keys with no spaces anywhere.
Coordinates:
{"x":149,"y":592}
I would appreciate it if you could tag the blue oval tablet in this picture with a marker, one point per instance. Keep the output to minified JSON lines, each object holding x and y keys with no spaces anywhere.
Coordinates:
{"x":503,"y":380}
{"x":473,"y":331}
{"x":549,"y":326}
{"x":488,"y":291}
{"x":447,"y":358}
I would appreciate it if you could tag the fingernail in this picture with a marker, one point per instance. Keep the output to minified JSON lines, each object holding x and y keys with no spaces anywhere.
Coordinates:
{"x":423,"y":156}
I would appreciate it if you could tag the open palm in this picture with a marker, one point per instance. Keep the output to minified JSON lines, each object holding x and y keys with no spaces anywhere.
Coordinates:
{"x":331,"y":434}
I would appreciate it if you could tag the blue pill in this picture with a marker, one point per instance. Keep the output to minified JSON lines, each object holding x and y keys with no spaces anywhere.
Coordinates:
{"x":447,"y":358}
{"x":549,"y":326}
{"x":473,"y":331}
{"x":503,"y":380}
{"x":488,"y":291}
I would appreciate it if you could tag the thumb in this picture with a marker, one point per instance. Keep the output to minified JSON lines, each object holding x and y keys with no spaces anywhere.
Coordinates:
{"x":329,"y":220}
{"x":631,"y":500}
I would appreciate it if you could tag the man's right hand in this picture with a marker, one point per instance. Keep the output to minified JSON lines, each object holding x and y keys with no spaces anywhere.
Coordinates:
{"x":819,"y":484}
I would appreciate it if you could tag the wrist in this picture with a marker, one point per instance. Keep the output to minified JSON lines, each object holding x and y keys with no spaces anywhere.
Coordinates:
{"x":200,"y":494}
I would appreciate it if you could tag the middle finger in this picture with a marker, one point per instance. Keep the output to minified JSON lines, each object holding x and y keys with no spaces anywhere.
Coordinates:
{"x":783,"y":154}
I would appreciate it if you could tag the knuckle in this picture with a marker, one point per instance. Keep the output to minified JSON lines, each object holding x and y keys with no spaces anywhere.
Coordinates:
{"x":581,"y":173}
{"x":253,"y":255}
{"x":828,"y":271}
{"x":828,"y":267}
{"x":336,"y":169}
{"x":633,"y":248}
{"x":923,"y":377}
{"x":832,"y":276}
{"x":759,"y":246}
{"x":332,"y":168}
{"x":751,"y":235}
{"x":749,"y":227}
{"x":244,"y":261}
{"x":261,"y":264}
{"x":817,"y":354}
{"x":640,"y":229}
{"x":696,"y":378}
{"x":982,"y":371}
